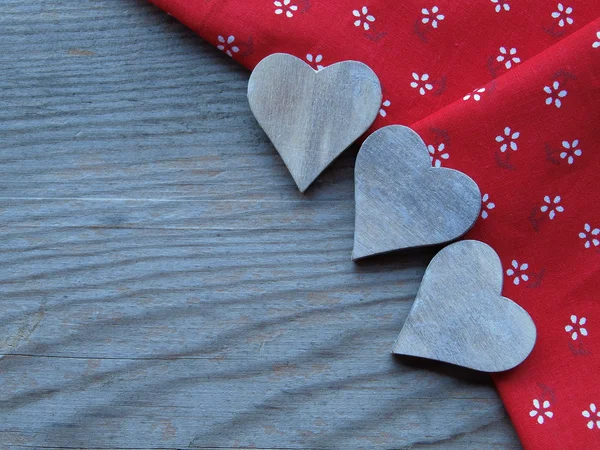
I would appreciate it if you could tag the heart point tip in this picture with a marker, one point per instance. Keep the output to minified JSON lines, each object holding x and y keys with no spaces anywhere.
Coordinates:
{"x":402,"y":346}
{"x":357,"y":255}
{"x":302,"y":185}
{"x":398,"y":350}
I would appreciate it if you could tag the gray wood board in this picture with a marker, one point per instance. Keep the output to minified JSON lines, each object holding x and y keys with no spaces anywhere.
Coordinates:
{"x":163,"y":284}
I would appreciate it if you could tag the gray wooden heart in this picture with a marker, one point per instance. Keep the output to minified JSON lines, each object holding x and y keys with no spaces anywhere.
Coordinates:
{"x":401,"y":201}
{"x":460,"y":317}
{"x":312,"y":117}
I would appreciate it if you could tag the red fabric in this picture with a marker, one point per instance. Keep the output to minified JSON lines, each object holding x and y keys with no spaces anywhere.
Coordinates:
{"x":526,"y":131}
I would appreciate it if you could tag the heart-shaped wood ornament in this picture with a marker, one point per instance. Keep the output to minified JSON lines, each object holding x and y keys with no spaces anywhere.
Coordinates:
{"x":312,"y":117}
{"x":460,"y":316}
{"x":403,"y":202}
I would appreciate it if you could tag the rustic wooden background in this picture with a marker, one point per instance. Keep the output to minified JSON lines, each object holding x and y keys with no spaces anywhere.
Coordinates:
{"x":164,"y":285}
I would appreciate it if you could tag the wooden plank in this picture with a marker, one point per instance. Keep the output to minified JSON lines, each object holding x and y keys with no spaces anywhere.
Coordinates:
{"x":164,"y":285}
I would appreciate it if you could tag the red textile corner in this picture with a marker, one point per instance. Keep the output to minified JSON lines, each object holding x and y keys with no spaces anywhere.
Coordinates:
{"x":508,"y":92}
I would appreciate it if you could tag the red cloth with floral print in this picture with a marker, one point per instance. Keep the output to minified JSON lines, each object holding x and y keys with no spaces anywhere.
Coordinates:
{"x":508,"y":92}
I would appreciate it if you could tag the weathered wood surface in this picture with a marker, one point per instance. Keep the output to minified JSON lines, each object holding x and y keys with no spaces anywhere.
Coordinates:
{"x":459,"y":315}
{"x":401,"y":201}
{"x":164,"y":285}
{"x":312,"y":117}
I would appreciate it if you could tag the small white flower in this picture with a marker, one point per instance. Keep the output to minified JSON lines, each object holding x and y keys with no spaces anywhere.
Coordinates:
{"x":434,"y":16}
{"x":316,"y":60}
{"x":552,"y":206}
{"x":589,"y":241}
{"x":501,"y":5}
{"x":508,"y":140}
{"x":596,"y":44}
{"x":508,"y":56}
{"x":226,"y":45}
{"x":437,"y":154}
{"x":476,"y":94}
{"x":518,"y":272}
{"x":382,"y":110}
{"x":487,"y":204}
{"x":571,"y":151}
{"x":363,"y":18}
{"x":563,"y":14}
{"x":593,"y":414}
{"x":540,"y":411}
{"x":421,"y":82}
{"x":284,"y":6}
{"x":576,"y":325}
{"x":555,"y":93}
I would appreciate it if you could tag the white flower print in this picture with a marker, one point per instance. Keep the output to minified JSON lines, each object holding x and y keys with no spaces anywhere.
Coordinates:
{"x":437,"y":154}
{"x":552,"y":206}
{"x":541,"y":411}
{"x":555,"y":93}
{"x":421,"y":82}
{"x":487,"y":205}
{"x":576,"y":326}
{"x":316,"y":60}
{"x":363,"y":18}
{"x":570,"y":151}
{"x":501,"y":5}
{"x":227,"y":45}
{"x":596,"y":44}
{"x":434,"y":16}
{"x":475,"y":95}
{"x":563,"y":14}
{"x":593,"y":414}
{"x":589,"y":241}
{"x":285,"y":6}
{"x":518,"y":272}
{"x":382,"y":110}
{"x":508,"y":57}
{"x":508,"y":139}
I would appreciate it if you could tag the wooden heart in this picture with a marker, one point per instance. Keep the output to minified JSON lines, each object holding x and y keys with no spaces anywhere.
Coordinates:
{"x":311,"y":117}
{"x":460,"y":317}
{"x":403,"y":202}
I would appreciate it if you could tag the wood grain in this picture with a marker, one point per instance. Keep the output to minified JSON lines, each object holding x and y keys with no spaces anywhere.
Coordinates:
{"x":164,"y":284}
{"x":459,"y":315}
{"x":311,"y":116}
{"x":401,"y":201}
